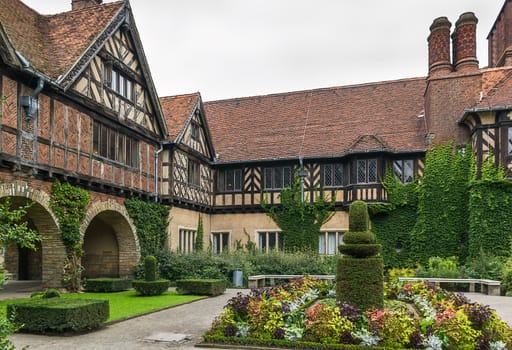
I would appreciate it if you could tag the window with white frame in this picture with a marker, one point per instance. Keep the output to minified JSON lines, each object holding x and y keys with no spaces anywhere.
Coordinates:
{"x":404,"y":170}
{"x":220,"y":242}
{"x":366,"y":171}
{"x":333,"y":175}
{"x":187,"y":240}
{"x":119,"y":82}
{"x":328,"y":242}
{"x":277,"y":178}
{"x":268,"y":240}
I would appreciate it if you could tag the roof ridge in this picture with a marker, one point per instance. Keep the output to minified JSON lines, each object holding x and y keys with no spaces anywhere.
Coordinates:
{"x":107,"y":4}
{"x":308,"y":91}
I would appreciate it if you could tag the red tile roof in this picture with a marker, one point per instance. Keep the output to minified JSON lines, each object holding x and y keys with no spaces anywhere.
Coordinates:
{"x":53,"y":43}
{"x":320,"y":123}
{"x":499,"y":89}
{"x":176,"y":110}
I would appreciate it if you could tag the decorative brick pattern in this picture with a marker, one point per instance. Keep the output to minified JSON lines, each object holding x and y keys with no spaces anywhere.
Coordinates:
{"x":439,"y":47}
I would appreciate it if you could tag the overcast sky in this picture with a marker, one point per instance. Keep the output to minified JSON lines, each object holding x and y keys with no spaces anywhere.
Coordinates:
{"x":234,"y":48}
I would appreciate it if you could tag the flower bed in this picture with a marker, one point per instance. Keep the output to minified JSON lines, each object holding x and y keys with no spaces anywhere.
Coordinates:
{"x":304,"y":314}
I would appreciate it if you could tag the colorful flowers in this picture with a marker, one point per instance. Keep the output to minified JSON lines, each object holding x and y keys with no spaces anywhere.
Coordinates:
{"x":427,"y":317}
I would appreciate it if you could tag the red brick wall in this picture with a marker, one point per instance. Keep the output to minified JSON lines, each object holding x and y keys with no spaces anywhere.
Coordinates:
{"x":65,"y":141}
{"x":445,"y":101}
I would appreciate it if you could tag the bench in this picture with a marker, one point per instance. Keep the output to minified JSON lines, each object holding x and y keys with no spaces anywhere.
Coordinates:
{"x":258,"y":281}
{"x":490,"y":286}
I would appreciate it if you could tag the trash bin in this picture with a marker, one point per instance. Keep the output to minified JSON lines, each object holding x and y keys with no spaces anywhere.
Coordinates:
{"x":238,"y":278}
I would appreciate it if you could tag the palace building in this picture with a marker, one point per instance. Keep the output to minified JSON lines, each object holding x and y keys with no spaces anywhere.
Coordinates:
{"x":80,"y":106}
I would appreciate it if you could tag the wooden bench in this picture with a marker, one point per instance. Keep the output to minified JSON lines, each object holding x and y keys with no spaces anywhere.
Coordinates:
{"x":258,"y":281}
{"x":491,"y":287}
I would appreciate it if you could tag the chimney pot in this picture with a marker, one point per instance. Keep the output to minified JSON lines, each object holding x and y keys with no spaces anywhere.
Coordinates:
{"x":439,"y":47}
{"x":464,"y":43}
{"x":82,"y":4}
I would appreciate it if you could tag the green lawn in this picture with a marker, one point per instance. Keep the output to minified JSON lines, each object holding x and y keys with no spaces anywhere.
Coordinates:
{"x":126,"y":304}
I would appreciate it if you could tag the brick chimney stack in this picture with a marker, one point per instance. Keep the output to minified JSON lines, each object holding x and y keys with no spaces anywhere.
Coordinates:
{"x":464,"y":43}
{"x":82,"y":4}
{"x":439,"y":47}
{"x":500,"y":38}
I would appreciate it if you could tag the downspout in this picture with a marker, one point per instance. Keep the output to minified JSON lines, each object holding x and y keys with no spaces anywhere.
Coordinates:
{"x":31,"y":103}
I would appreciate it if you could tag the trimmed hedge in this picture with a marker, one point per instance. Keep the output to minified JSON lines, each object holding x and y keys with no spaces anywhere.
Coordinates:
{"x":149,"y":288}
{"x":107,"y":285}
{"x":210,"y":287}
{"x":58,"y":314}
{"x":364,"y":237}
{"x":360,"y":250}
{"x":360,"y":282}
{"x":238,"y":343}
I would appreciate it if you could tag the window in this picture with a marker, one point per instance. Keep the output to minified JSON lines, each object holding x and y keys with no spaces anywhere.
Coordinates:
{"x":509,"y":142}
{"x":194,"y":131}
{"x":230,"y":180}
{"x":220,"y":242}
{"x":404,"y":170}
{"x":187,"y":240}
{"x":329,"y":241}
{"x":109,"y":143}
{"x":268,"y":240}
{"x":119,"y":82}
{"x":333,"y":175}
{"x":194,"y":171}
{"x":366,"y":171}
{"x":277,"y":178}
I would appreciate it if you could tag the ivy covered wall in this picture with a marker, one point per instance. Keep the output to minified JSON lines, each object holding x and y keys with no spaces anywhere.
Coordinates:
{"x":448,"y":213}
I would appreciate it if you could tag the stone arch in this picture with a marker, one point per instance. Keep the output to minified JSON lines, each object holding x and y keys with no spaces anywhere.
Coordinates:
{"x":47,"y":261}
{"x":111,"y":246}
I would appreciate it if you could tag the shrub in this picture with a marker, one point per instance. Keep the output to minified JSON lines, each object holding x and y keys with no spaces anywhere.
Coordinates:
{"x":360,"y":282}
{"x":107,"y":285}
{"x":359,"y":219}
{"x":150,"y":288}
{"x":360,"y":250}
{"x":46,"y":294}
{"x":440,"y":267}
{"x":201,"y":287}
{"x":58,"y":314}
{"x":364,"y":237}
{"x":150,"y":268}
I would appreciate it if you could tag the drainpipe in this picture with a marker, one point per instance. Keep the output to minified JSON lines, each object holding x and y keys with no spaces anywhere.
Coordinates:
{"x":31,"y":103}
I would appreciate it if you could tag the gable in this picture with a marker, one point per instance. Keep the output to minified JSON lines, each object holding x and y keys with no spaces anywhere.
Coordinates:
{"x":186,"y":122}
{"x":115,"y":80}
{"x":195,"y":135}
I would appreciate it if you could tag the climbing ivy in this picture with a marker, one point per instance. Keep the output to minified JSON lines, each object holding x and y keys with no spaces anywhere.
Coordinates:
{"x":490,"y":221}
{"x":394,"y":222}
{"x":69,"y":204}
{"x":151,"y":220}
{"x":442,"y":217}
{"x":199,"y":236}
{"x":300,"y":221}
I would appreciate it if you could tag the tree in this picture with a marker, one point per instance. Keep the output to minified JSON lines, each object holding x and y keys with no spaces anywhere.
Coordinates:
{"x":300,"y":221}
{"x":13,"y":230}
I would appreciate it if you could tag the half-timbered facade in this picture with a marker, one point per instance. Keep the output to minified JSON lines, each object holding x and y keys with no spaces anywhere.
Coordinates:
{"x":80,"y":106}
